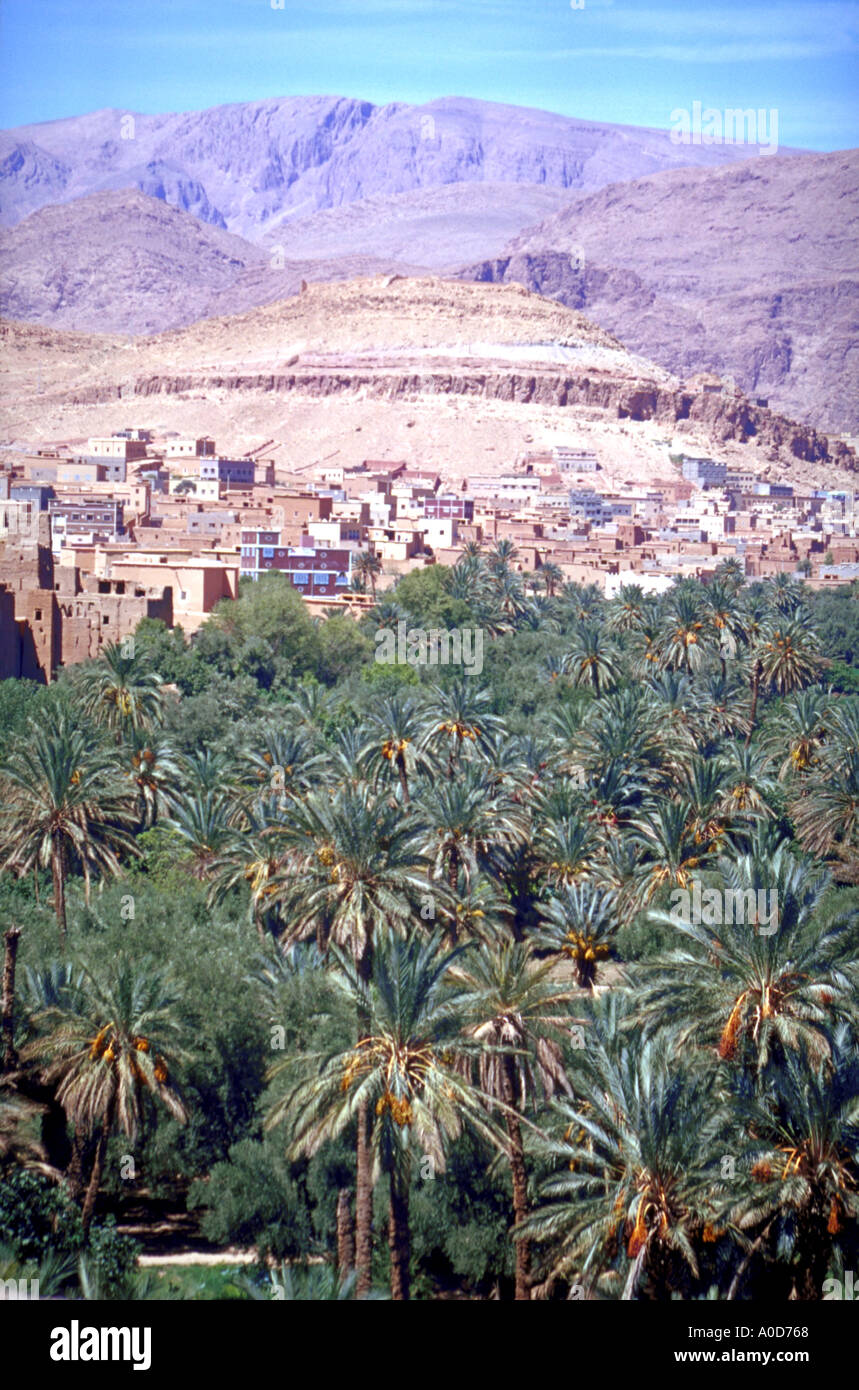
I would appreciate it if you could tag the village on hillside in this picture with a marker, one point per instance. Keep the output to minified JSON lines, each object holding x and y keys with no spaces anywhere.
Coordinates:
{"x":96,"y":536}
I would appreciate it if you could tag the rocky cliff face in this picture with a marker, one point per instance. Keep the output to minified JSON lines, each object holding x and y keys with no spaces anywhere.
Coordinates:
{"x":747,"y":271}
{"x":724,"y":418}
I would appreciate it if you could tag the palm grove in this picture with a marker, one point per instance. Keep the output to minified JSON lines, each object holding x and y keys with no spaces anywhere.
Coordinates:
{"x":376,"y":964}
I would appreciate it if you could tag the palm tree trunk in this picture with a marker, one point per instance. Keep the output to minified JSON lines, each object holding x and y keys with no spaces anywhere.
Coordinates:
{"x":75,"y":1170}
{"x":7,"y":1008}
{"x":756,"y":685}
{"x":97,"y":1166}
{"x":364,"y":1156}
{"x":520,"y":1186}
{"x":345,"y":1233}
{"x":58,"y":875}
{"x":399,"y":1239}
{"x":363,"y":1203}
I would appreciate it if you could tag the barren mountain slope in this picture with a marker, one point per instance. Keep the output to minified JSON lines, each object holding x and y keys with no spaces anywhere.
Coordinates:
{"x":750,"y":270}
{"x":244,"y":166}
{"x":117,"y":262}
{"x":431,"y":227}
{"x":122,"y":262}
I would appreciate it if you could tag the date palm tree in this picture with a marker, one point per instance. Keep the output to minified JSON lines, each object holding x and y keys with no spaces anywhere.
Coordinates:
{"x":282,"y":764}
{"x":519,"y":1014}
{"x":669,"y":851}
{"x":827,"y":812}
{"x":502,"y":555}
{"x":353,"y":868}
{"x":784,"y":594}
{"x":552,"y":576}
{"x":203,"y":824}
{"x":731,"y":571}
{"x":784,"y":657}
{"x":107,"y":1045}
{"x":367,"y":567}
{"x":748,"y":786}
{"x":391,"y":745}
{"x":457,"y":717}
{"x":627,"y":610}
{"x":592,"y":660}
{"x":621,"y":727}
{"x":64,"y":804}
{"x":677,"y":710}
{"x":462,"y":821}
{"x":580,"y":922}
{"x":146,"y":758}
{"x":702,"y":785}
{"x":789,"y":655}
{"x":684,"y":638}
{"x":120,"y":690}
{"x":633,"y":1184}
{"x":758,"y":988}
{"x":565,"y":846}
{"x":799,"y":1175}
{"x":723,"y":618}
{"x":251,"y":859}
{"x":403,"y":1070}
{"x":208,"y":770}
{"x":475,"y":910}
{"x":803,"y":725}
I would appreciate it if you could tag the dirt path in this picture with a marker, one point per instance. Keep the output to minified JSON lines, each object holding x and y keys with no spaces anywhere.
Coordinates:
{"x":199,"y":1257}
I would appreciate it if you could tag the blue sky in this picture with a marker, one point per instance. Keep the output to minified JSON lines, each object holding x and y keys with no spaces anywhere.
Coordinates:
{"x":612,"y":60}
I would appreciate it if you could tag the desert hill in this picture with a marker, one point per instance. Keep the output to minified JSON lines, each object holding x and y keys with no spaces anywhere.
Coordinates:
{"x":459,"y":376}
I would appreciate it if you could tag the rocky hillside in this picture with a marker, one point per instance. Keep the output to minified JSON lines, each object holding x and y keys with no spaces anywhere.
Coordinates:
{"x":460,"y":376}
{"x":750,"y":271}
{"x":117,"y":262}
{"x":123,"y":262}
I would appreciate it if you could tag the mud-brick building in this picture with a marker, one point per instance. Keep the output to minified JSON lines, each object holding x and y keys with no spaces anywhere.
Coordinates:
{"x":52,"y":616}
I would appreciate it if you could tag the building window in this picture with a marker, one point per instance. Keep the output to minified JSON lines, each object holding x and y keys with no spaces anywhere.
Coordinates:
{"x":300,"y":577}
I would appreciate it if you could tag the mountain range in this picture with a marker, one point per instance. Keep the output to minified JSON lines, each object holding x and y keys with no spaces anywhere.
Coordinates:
{"x":249,"y":167}
{"x":697,"y":257}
